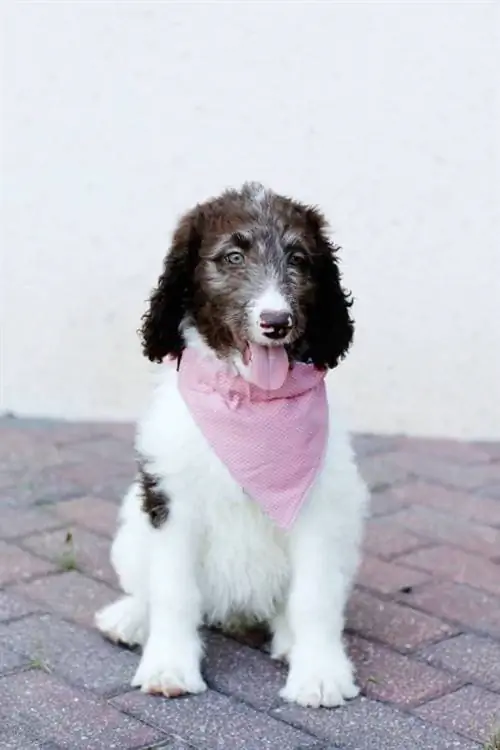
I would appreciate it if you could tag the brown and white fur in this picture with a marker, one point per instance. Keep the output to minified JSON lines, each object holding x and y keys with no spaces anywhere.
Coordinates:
{"x":192,"y":547}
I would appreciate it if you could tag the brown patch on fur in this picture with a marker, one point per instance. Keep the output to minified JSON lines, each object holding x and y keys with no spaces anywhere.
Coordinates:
{"x":155,"y":502}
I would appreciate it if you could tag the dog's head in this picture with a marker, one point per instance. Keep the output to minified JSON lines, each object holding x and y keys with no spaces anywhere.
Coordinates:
{"x":251,"y":268}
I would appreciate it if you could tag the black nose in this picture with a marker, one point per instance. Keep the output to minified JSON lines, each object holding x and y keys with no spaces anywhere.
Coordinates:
{"x":275,"y":319}
{"x":275,"y":323}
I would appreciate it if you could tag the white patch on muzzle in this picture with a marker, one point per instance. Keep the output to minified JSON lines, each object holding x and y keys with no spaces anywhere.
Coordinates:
{"x":270,"y":301}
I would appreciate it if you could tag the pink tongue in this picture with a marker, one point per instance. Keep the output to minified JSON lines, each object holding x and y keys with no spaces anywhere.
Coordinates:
{"x":268,"y":366}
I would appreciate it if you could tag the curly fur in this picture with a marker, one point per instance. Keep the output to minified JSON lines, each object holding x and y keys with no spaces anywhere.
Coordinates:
{"x":187,"y":288}
{"x":330,"y":329}
{"x":215,"y":556}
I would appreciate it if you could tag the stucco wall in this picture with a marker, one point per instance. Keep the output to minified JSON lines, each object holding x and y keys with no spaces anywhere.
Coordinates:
{"x":118,"y":116}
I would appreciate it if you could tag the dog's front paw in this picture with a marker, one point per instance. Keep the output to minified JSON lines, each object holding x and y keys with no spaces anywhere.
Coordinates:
{"x":169,"y":671}
{"x":316,"y":682}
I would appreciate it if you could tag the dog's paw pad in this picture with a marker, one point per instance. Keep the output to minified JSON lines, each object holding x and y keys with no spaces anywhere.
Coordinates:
{"x":313,"y":695}
{"x":159,"y":674}
{"x":170,"y":686}
{"x":327,"y":686}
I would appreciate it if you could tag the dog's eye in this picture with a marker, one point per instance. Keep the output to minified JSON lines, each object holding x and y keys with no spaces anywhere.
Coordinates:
{"x":234,"y":258}
{"x":297,"y":258}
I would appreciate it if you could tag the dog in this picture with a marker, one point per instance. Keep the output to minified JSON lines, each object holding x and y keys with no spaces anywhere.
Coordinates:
{"x":247,"y":502}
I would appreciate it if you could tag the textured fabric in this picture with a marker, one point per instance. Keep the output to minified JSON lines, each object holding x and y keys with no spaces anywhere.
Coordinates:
{"x":272,"y":442}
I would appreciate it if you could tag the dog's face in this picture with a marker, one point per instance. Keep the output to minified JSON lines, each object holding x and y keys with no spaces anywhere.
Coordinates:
{"x":251,"y":268}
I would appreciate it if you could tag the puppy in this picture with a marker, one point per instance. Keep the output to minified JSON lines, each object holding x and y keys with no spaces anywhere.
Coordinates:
{"x":247,"y":501}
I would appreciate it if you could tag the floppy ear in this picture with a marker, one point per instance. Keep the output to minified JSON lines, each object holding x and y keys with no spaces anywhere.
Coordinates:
{"x":330,"y":329}
{"x":172,"y":298}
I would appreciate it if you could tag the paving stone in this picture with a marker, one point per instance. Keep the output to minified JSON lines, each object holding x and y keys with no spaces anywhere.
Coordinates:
{"x":385,"y":502}
{"x":459,"y":566}
{"x":243,"y":672}
{"x":448,"y":473}
{"x":82,"y":657}
{"x":89,"y":476}
{"x":70,"y":718}
{"x":71,"y":595}
{"x":473,"y":658}
{"x":73,"y":548}
{"x":17,"y":736}
{"x":12,"y":606}
{"x":37,"y":440}
{"x":7,"y":481}
{"x":176,"y":744}
{"x":490,"y":491}
{"x":57,"y":432}
{"x":470,"y":711}
{"x":34,"y":490}
{"x":468,"y":505}
{"x":92,"y":513}
{"x":22,"y":447}
{"x":212,"y":721}
{"x":393,"y":624}
{"x":367,"y":725}
{"x":459,"y":603}
{"x":387,"y":540}
{"x":98,"y":440}
{"x":448,"y":528}
{"x":450,"y":450}
{"x":382,"y":471}
{"x":387,"y":577}
{"x":50,"y":485}
{"x":16,"y":522}
{"x":16,"y":564}
{"x":436,"y":513}
{"x":10,"y":659}
{"x":369,"y":445}
{"x":123,"y":431}
{"x":118,"y":453}
{"x":14,"y":740}
{"x":491,"y":447}
{"x":388,"y":676}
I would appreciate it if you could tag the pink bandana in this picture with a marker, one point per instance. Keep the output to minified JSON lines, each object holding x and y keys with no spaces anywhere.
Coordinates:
{"x":271,"y":441}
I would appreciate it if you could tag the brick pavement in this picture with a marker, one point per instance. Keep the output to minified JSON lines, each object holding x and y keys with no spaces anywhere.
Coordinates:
{"x":423,"y":624}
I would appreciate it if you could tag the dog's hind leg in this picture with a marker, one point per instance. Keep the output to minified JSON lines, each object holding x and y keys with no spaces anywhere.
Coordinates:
{"x":126,"y":620}
{"x":282,"y":640}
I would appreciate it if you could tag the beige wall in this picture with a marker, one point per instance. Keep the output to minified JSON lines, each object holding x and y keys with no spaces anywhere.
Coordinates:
{"x":117,"y":116}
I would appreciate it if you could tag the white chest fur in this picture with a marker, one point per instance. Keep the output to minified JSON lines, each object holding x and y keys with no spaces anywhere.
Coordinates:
{"x":243,"y":565}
